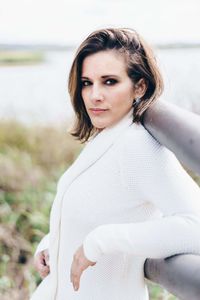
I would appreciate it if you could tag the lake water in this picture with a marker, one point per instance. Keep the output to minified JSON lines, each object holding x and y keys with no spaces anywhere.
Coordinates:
{"x":38,"y":93}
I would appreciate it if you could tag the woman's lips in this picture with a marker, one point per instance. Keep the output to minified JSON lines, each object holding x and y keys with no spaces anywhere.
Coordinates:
{"x":97,"y":111}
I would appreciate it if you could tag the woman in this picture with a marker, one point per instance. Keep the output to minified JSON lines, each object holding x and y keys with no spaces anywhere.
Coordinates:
{"x":126,"y":197}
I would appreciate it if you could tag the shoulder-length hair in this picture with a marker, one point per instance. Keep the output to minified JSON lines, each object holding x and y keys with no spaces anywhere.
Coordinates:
{"x":141,"y":64}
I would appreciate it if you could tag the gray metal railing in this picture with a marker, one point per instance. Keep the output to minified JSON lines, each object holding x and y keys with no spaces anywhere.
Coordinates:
{"x":179,"y":274}
{"x":178,"y":130}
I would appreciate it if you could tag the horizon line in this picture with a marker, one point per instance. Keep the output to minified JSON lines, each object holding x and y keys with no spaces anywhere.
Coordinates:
{"x":64,"y":47}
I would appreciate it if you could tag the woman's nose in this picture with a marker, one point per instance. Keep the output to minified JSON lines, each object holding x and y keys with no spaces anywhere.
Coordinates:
{"x":96,"y":93}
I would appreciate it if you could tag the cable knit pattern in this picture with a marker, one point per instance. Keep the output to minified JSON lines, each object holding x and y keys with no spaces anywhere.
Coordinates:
{"x":125,"y":198}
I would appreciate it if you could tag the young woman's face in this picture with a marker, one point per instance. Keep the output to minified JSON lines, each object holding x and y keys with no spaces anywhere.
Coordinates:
{"x":107,"y":91}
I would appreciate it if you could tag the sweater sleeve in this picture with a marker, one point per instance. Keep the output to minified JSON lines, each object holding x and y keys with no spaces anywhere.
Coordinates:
{"x":43,"y":245}
{"x":154,"y":173}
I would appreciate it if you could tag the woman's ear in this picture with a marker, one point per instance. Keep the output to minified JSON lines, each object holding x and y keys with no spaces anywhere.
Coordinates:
{"x":140,"y":88}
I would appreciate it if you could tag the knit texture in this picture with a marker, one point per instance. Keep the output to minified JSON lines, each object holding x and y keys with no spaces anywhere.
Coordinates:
{"x":128,"y":198}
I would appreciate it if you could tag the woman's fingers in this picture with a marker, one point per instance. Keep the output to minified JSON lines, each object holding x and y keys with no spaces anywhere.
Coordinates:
{"x":46,"y":257}
{"x":79,"y":264}
{"x":75,"y":276}
{"x":44,"y":271}
{"x":42,"y":264}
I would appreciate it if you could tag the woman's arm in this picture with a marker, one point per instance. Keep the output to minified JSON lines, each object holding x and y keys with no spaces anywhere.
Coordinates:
{"x":178,"y":274}
{"x":155,"y":175}
{"x":161,"y":180}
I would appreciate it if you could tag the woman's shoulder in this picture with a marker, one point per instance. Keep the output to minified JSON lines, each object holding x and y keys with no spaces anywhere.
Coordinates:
{"x":138,"y":142}
{"x":136,"y":133}
{"x":142,"y":152}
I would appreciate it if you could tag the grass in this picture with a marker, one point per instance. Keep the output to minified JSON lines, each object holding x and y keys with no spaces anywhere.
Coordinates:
{"x":19,"y":57}
{"x":31,"y":161}
{"x":157,"y":293}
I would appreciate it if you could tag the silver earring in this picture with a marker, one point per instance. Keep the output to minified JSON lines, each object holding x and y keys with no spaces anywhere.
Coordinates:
{"x":136,"y":102}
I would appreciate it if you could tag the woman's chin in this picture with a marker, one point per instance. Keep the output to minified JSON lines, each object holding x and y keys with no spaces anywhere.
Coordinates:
{"x":99,"y":126}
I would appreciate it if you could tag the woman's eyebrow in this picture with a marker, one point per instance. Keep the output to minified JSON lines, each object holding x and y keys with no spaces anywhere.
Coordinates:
{"x":110,"y":75}
{"x":103,"y":76}
{"x":84,"y":77}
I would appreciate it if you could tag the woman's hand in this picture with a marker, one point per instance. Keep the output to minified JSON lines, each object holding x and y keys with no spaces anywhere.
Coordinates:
{"x":79,"y":264}
{"x":41,"y":263}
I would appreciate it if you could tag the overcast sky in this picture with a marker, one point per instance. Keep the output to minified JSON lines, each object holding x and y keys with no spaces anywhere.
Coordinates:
{"x":69,"y":21}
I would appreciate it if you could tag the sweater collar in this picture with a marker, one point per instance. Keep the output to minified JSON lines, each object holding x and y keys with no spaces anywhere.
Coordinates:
{"x":96,"y":148}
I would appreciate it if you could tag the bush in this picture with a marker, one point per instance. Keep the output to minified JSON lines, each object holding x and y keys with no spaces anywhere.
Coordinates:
{"x":31,"y":161}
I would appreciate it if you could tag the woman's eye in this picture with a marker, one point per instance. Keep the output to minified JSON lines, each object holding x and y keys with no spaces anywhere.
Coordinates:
{"x":111,"y":81}
{"x":85,"y":83}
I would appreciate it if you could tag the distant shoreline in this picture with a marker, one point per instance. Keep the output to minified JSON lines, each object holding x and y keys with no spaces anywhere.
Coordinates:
{"x":172,"y":46}
{"x":55,"y":47}
{"x":26,"y":54}
{"x":20,"y":57}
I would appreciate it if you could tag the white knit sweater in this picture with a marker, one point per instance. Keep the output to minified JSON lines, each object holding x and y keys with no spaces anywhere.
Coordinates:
{"x":125,"y":198}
